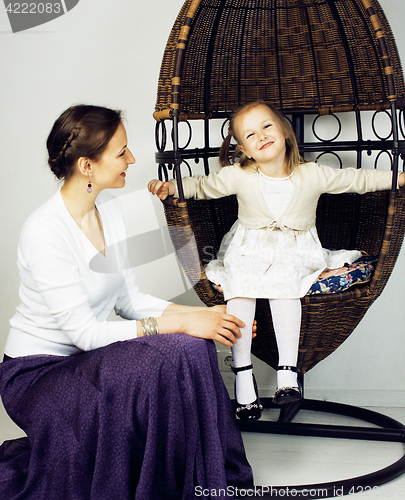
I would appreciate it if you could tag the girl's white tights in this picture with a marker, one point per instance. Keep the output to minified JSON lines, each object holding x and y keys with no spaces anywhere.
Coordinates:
{"x":286,"y":314}
{"x":244,"y":309}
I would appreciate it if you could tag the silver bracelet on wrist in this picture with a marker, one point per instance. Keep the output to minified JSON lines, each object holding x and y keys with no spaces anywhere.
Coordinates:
{"x":149,"y":326}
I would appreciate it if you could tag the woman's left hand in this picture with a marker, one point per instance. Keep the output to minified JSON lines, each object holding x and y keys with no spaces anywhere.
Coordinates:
{"x":222,"y":309}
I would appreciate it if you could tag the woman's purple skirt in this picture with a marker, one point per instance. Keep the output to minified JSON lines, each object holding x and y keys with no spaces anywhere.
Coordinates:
{"x":144,"y":419}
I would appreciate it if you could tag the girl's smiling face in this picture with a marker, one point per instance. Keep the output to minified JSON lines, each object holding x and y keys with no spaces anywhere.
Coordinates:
{"x":261,"y":137}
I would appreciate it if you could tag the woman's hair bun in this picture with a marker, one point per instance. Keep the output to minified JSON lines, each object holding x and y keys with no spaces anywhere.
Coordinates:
{"x":80,"y":131}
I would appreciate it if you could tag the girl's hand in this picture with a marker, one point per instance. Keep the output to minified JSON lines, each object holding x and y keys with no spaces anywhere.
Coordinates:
{"x":209,"y":324}
{"x":161,"y":189}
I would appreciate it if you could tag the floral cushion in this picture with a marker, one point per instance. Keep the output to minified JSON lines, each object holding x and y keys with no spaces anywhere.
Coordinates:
{"x":338,"y":280}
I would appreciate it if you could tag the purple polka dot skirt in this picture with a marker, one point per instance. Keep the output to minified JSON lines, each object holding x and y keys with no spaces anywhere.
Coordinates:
{"x":144,"y":419}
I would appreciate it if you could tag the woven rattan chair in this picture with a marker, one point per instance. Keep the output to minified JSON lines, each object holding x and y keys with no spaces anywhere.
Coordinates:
{"x":311,"y":59}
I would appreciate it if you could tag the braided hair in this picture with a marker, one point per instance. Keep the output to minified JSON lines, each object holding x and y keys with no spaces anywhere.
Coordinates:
{"x":80,"y":131}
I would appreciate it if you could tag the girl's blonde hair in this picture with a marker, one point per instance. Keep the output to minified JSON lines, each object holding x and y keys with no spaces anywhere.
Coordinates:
{"x":292,"y":153}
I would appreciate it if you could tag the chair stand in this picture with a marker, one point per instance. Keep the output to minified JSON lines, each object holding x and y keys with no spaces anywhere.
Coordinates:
{"x":388,"y":430}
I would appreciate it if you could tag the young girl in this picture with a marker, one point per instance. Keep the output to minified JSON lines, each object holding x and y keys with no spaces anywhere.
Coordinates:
{"x":273,"y":250}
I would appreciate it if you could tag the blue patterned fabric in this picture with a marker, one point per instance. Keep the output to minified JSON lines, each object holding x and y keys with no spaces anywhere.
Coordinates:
{"x":338,"y":280}
{"x":144,"y":419}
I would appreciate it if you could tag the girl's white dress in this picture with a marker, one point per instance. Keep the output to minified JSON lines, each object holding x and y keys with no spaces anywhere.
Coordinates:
{"x":273,"y":263}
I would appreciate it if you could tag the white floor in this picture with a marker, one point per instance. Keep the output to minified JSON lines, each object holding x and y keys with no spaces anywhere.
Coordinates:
{"x":279,"y":460}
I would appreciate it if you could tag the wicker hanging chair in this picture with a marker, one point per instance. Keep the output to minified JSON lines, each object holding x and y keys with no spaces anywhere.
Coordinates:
{"x":309,"y":58}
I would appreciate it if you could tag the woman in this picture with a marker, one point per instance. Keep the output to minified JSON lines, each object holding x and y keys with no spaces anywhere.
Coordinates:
{"x":110,"y":408}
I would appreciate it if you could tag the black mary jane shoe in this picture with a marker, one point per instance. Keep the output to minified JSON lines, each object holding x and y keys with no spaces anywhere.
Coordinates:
{"x":285,"y":395}
{"x":250,"y":411}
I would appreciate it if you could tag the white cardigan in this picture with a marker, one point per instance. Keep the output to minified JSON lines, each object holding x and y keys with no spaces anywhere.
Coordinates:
{"x":68,"y":289}
{"x":310,"y":180}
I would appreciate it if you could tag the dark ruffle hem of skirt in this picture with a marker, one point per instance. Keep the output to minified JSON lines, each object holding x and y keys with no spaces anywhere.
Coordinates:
{"x":144,"y":419}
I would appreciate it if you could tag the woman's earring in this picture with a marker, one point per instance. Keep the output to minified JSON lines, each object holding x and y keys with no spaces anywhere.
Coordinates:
{"x":89,"y":190}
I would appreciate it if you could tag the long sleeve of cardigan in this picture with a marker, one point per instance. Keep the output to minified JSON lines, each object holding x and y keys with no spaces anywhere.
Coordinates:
{"x":310,"y":179}
{"x":351,"y":180}
{"x":214,"y":185}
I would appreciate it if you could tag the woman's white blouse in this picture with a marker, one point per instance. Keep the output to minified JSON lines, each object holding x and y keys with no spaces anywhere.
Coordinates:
{"x":68,"y":289}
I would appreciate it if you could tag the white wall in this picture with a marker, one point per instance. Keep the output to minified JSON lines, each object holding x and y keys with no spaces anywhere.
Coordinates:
{"x":109,"y":53}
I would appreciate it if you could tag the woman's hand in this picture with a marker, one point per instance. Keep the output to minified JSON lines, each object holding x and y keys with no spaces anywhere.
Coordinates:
{"x":161,"y":189}
{"x":222,"y":308}
{"x":203,"y":322}
{"x":209,"y":324}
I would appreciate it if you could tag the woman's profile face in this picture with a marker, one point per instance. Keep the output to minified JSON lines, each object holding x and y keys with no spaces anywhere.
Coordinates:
{"x":109,"y":171}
